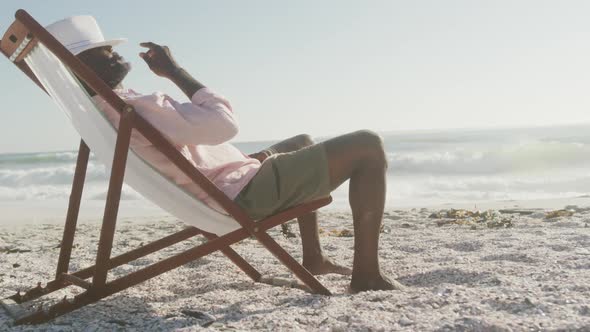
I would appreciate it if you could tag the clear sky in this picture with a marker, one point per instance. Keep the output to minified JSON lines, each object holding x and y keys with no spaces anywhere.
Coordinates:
{"x":330,"y":67}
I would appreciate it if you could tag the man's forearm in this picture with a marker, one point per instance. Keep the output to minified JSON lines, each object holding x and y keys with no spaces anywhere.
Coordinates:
{"x":188,"y":84}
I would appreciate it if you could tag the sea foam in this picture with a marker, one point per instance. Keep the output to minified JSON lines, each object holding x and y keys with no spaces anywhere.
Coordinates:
{"x":448,"y":166}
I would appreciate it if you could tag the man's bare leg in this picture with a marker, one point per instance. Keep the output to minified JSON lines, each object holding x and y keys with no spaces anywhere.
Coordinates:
{"x":313,"y":257}
{"x":359,"y":156}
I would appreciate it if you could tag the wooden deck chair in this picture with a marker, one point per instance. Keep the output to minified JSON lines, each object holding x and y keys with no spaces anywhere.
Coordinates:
{"x":39,"y":55}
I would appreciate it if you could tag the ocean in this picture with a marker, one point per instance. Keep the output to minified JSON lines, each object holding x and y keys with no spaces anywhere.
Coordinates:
{"x":425,"y":168}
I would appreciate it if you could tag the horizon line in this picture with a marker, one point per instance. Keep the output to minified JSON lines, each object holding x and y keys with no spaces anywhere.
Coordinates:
{"x":381,"y":132}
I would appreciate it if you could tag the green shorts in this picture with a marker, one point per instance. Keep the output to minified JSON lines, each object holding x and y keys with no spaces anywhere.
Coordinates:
{"x":285,"y":180}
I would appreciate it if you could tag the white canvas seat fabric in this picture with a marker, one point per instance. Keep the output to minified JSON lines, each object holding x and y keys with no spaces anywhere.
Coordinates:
{"x":100,"y":136}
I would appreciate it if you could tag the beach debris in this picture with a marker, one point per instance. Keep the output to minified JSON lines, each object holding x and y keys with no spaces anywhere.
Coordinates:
{"x":576,"y":208}
{"x":465,"y":217}
{"x":501,"y":223}
{"x":343,"y":318}
{"x":286,"y":231}
{"x":118,"y":322}
{"x":277,"y":281}
{"x":206,"y":318}
{"x":404,"y":321}
{"x":558,"y":213}
{"x":448,"y":221}
{"x":15,"y":265}
{"x":436,"y":215}
{"x":75,"y":245}
{"x":538,"y":215}
{"x":462,"y":214}
{"x":442,"y":291}
{"x":284,"y":282}
{"x":521,"y":212}
{"x":6,"y":250}
{"x":392,"y":216}
{"x":384,"y":229}
{"x":472,"y":324}
{"x":341,"y":233}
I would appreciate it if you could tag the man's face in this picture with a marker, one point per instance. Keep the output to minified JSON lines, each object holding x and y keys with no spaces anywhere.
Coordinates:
{"x":108,"y":65}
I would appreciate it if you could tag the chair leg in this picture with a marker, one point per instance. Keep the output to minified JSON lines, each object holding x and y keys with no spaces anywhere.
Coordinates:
{"x":109,"y":222}
{"x":65,"y":252}
{"x":284,"y":257}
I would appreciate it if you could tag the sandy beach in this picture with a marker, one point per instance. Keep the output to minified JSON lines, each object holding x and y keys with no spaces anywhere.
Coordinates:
{"x":513,"y":268}
{"x":514,"y":265}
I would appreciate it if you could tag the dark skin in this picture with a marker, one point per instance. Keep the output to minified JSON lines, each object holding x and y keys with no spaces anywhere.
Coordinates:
{"x":108,"y":65}
{"x":358,"y":157}
{"x":161,"y":63}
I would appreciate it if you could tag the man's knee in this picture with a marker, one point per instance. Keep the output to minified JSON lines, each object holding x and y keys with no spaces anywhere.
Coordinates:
{"x":302,"y":141}
{"x":372,"y":143}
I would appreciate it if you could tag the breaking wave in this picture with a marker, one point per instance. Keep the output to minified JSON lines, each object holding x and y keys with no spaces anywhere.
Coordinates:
{"x":449,"y":166}
{"x":488,"y":160}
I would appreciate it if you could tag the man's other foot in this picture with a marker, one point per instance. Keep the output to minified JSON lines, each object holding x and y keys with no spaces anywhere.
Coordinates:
{"x":325,"y":266}
{"x":379,"y":283}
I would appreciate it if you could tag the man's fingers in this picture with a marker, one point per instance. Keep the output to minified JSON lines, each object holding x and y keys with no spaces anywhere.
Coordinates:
{"x":146,"y":56}
{"x":148,"y":44}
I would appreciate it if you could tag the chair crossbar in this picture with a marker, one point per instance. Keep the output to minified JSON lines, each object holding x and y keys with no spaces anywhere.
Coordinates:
{"x":70,"y":279}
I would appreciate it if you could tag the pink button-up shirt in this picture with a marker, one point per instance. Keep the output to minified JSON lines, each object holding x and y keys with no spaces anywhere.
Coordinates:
{"x":199,"y":130}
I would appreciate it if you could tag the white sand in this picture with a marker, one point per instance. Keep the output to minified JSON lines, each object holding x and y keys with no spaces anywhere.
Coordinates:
{"x":467,"y":277}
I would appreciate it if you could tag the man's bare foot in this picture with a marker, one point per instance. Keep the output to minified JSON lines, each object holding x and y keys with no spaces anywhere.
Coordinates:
{"x":379,"y":283}
{"x":324,"y":266}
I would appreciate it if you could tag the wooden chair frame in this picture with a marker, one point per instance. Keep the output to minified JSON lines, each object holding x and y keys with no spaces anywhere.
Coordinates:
{"x":19,"y":39}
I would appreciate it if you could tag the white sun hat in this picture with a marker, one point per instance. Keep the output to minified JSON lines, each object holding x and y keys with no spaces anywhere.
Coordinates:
{"x":80,"y":33}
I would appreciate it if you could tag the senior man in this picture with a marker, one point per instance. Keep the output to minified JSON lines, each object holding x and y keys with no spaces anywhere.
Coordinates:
{"x":288,"y":173}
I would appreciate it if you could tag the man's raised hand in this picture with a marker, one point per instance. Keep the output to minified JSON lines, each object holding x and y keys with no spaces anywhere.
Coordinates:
{"x":159,"y":59}
{"x":161,"y":62}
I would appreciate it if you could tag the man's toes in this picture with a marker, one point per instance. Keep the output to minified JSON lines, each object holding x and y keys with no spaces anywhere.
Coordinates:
{"x":396,"y":285}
